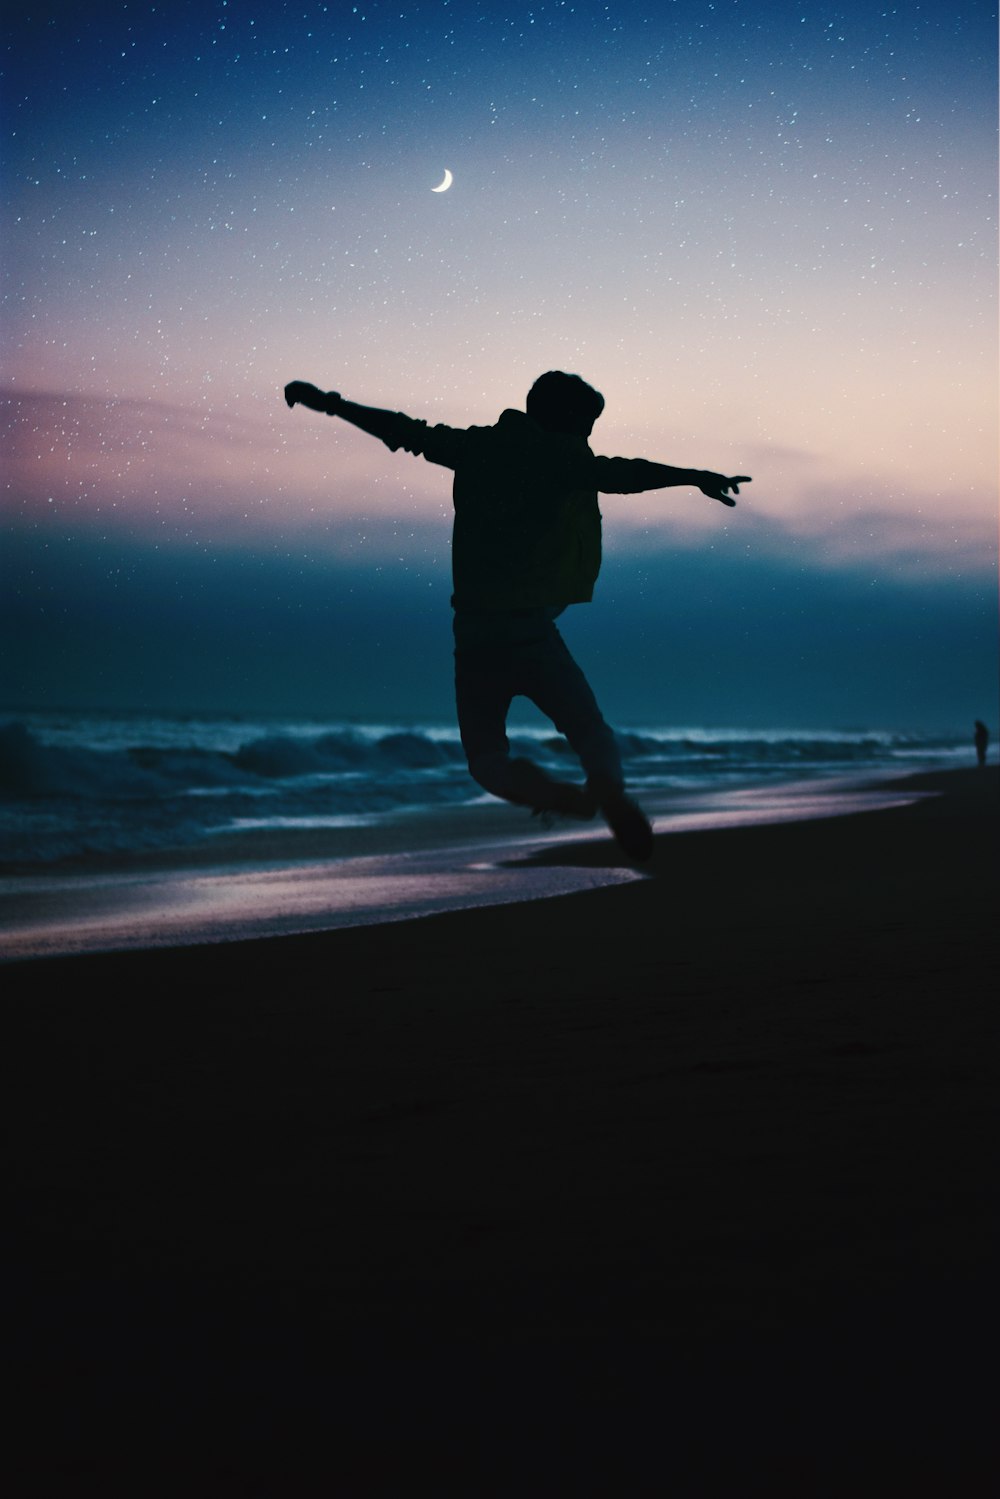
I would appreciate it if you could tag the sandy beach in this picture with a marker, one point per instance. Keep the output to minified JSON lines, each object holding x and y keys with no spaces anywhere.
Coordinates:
{"x":682,"y":1184}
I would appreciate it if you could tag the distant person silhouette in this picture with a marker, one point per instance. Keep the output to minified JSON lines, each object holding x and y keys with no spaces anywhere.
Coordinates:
{"x":981,"y":739}
{"x":527,"y":543}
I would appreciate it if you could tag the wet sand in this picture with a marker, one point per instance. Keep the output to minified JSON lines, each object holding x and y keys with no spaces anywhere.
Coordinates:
{"x":684,"y":1185}
{"x":280,"y":882}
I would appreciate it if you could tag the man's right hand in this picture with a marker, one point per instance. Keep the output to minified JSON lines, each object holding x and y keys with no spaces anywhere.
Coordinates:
{"x":300,"y":392}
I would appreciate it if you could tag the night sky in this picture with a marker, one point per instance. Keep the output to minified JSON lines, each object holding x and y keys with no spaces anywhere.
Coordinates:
{"x":766,"y":232}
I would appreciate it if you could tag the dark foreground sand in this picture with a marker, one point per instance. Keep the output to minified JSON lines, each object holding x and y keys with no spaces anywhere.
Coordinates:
{"x":680,"y":1187}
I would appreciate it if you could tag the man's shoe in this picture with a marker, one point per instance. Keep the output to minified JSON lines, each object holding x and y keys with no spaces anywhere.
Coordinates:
{"x":630,"y":825}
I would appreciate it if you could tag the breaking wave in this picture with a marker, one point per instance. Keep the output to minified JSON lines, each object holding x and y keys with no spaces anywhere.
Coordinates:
{"x":78,"y":786}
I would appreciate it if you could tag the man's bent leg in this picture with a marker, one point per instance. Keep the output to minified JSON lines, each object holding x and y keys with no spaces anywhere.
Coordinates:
{"x":527,"y":785}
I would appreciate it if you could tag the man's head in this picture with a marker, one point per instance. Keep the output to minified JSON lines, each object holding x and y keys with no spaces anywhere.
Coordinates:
{"x":564,"y":403}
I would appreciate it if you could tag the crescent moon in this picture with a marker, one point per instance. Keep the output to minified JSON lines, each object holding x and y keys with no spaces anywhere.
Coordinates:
{"x":443,"y":187}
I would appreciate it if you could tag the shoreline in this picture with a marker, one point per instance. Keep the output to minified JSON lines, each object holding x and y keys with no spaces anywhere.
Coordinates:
{"x":685,"y":1184}
{"x":429,"y":862}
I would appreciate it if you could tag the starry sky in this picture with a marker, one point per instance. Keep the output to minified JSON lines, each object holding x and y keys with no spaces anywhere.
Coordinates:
{"x":765,"y":231}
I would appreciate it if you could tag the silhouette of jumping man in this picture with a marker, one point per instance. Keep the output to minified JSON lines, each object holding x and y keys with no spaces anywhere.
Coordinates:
{"x":527,"y":543}
{"x":982,"y":739}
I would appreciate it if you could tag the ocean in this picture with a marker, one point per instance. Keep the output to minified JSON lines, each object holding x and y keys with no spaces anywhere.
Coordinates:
{"x":89,"y":789}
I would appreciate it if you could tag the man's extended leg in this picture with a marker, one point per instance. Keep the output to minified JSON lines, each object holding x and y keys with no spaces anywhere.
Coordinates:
{"x":556,"y":684}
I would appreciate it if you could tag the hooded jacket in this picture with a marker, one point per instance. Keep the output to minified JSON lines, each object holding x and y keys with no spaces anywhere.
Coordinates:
{"x":527,"y":531}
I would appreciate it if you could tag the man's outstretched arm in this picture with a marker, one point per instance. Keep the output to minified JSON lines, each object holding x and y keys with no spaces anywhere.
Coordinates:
{"x":371,"y":419}
{"x":634,"y":475}
{"x":439,"y":444}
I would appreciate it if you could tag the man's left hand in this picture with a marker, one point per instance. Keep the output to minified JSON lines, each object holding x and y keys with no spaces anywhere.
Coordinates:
{"x":716,"y":486}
